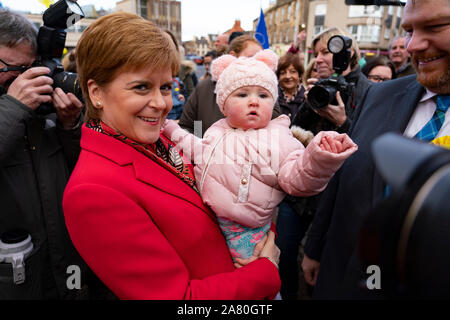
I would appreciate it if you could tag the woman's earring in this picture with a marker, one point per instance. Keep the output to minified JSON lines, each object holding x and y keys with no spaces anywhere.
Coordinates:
{"x":98,"y":104}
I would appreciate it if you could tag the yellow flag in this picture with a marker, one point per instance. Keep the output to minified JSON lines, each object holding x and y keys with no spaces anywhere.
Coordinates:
{"x":46,"y":3}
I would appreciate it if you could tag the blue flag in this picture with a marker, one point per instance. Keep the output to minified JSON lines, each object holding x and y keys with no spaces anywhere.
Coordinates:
{"x":261,"y":32}
{"x":1,"y":4}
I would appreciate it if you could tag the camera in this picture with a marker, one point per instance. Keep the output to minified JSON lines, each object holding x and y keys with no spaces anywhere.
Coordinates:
{"x":406,"y":235}
{"x":51,"y":42}
{"x":324,"y":91}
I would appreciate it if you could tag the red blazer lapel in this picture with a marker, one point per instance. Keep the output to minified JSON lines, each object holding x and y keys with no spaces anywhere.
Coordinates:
{"x":146,"y":170}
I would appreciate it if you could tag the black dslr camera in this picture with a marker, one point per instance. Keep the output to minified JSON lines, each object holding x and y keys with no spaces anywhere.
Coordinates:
{"x":51,"y":41}
{"x":324,"y":91}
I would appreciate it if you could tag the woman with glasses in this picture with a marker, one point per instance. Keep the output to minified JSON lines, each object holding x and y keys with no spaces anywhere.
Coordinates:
{"x":379,"y":69}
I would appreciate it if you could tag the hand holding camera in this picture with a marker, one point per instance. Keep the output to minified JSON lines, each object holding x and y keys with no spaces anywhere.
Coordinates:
{"x":68,"y":108}
{"x":32,"y":87}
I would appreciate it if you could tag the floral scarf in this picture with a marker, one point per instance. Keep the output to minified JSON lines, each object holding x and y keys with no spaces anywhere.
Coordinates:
{"x":163,"y":152}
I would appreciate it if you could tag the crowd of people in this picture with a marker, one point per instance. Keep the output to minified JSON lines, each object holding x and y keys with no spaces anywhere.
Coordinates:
{"x":160,"y":185}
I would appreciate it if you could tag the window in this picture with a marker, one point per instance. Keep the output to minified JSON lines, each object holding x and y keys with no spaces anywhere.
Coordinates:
{"x":387,"y":33}
{"x":365,"y":33}
{"x":318,"y":29}
{"x":289,"y":13}
{"x":365,"y":11}
{"x":319,"y":18}
{"x":142,"y":8}
{"x":282,"y":14}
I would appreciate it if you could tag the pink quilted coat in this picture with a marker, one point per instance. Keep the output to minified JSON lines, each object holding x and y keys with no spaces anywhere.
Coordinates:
{"x":244,"y":175}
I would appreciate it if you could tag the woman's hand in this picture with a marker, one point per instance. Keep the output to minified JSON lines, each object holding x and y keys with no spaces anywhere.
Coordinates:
{"x":336,"y":114}
{"x":266,"y":248}
{"x":310,"y":83}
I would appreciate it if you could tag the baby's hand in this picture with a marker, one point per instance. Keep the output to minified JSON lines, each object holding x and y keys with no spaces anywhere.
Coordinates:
{"x":331,"y":145}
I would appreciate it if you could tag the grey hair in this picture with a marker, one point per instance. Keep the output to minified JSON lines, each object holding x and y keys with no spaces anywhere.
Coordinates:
{"x":392,"y":42}
{"x":15,"y":29}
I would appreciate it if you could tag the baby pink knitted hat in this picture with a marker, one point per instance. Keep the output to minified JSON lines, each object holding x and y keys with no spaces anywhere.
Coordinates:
{"x":232,"y":73}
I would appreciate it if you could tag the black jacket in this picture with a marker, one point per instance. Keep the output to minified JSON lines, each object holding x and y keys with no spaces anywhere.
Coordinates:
{"x":291,"y":108}
{"x":36,"y":158}
{"x":307,"y":119}
{"x":355,"y":190}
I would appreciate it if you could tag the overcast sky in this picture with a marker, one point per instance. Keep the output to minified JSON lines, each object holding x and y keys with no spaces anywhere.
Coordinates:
{"x":198,"y":17}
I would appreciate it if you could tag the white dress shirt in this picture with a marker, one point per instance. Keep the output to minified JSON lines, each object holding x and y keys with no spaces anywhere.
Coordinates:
{"x":423,"y":113}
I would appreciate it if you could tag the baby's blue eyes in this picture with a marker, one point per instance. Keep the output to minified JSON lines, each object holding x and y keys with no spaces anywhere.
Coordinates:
{"x":244,"y":95}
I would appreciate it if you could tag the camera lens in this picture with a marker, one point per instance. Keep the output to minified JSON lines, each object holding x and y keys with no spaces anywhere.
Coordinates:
{"x":68,"y":82}
{"x":320,"y":96}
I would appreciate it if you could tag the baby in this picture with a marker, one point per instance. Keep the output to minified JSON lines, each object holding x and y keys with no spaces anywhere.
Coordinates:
{"x":246,"y":163}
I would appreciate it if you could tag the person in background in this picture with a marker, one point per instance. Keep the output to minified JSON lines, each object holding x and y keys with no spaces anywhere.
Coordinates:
{"x":185,"y":79}
{"x":209,"y":57}
{"x":202,"y":106}
{"x":132,"y":205}
{"x":310,"y":72}
{"x":379,"y":69}
{"x":400,"y":57}
{"x":69,"y":63}
{"x":298,"y":47}
{"x":333,"y":117}
{"x":37,"y":153}
{"x":234,"y":35}
{"x":291,"y":93}
{"x":416,"y":106}
{"x":297,"y":213}
{"x":221,"y":43}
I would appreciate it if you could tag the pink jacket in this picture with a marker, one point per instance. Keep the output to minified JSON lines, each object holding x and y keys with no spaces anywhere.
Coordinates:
{"x":244,"y":175}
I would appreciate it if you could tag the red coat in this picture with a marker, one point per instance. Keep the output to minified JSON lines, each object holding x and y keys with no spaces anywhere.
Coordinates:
{"x":147,"y":235}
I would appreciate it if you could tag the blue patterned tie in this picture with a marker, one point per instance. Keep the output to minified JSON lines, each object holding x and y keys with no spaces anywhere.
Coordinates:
{"x":432,"y":127}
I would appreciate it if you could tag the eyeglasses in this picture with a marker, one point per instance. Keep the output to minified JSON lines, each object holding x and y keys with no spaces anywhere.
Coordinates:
{"x":10,"y":67}
{"x":377,"y":78}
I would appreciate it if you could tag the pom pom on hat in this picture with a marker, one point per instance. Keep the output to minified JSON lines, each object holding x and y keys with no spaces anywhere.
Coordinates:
{"x":220,"y":64}
{"x":268,"y":57}
{"x":232,"y":73}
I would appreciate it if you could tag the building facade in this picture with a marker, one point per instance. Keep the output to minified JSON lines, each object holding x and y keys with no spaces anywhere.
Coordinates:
{"x":373,"y":27}
{"x":166,"y":14}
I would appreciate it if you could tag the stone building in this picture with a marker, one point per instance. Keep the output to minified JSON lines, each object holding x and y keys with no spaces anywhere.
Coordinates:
{"x":373,"y":27}
{"x":166,"y":14}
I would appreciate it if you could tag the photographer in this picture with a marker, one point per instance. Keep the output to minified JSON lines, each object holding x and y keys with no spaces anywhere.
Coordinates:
{"x":296,"y":213}
{"x":37,"y":154}
{"x":333,"y":117}
{"x":415,"y":106}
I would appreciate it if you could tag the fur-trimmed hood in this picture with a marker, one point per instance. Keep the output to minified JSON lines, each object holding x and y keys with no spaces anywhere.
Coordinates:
{"x":187,"y":67}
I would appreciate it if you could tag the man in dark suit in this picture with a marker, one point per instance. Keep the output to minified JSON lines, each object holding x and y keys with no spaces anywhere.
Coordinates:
{"x":404,"y":105}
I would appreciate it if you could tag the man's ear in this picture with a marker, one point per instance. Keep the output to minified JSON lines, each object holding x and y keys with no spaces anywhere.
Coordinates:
{"x":233,"y":53}
{"x":95,"y":94}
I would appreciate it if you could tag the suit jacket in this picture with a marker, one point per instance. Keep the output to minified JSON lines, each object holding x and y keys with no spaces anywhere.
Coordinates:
{"x":147,"y":235}
{"x":356,"y":189}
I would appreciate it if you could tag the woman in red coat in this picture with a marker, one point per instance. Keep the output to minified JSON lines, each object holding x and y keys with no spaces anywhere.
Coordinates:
{"x":131,"y":206}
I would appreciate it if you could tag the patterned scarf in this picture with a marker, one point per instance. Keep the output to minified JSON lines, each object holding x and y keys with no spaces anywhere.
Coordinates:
{"x":297,"y":90}
{"x":163,"y":152}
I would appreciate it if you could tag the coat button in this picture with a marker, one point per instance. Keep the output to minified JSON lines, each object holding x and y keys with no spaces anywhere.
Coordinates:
{"x":244,"y":181}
